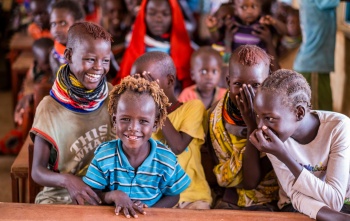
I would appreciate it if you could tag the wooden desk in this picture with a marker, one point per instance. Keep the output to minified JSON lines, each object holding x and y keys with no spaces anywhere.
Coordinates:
{"x":19,"y":172}
{"x":19,"y":211}
{"x":19,"y":42}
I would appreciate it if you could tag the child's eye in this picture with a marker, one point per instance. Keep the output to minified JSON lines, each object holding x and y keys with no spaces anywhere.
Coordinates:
{"x":270,"y":119}
{"x":244,"y":7}
{"x":63,"y":23}
{"x":106,"y":61}
{"x":237,"y":84}
{"x":143,"y":121}
{"x":255,"y":85}
{"x":204,"y":72}
{"x":125,"y":119}
{"x":215,"y":72}
{"x":53,"y":24}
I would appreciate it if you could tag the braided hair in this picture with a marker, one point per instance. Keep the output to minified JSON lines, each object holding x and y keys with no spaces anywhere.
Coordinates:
{"x":289,"y":84}
{"x":249,"y":55}
{"x":139,"y":85}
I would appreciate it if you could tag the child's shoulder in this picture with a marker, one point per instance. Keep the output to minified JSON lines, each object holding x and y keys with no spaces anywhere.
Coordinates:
{"x":329,"y":116}
{"x":163,"y":152}
{"x":194,"y":104}
{"x":106,"y":148}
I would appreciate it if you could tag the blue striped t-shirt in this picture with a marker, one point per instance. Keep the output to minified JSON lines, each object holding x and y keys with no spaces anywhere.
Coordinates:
{"x":159,"y":174}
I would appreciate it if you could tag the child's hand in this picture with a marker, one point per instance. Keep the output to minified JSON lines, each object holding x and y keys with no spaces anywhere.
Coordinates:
{"x":267,"y":20}
{"x":20,"y":108}
{"x":211,"y":22}
{"x":147,"y":75}
{"x":124,"y":203}
{"x":263,"y":32}
{"x":245,"y":106}
{"x":231,"y":29}
{"x":266,"y":141}
{"x":80,"y":192}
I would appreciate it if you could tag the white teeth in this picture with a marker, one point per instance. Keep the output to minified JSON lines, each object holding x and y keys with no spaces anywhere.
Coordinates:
{"x":132,"y":137}
{"x":93,"y":77}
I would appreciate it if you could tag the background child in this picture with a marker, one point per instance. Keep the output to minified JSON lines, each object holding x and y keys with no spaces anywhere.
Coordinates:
{"x":245,"y":173}
{"x":206,"y":65}
{"x":40,"y":27}
{"x":182,"y":132}
{"x":138,"y":108}
{"x":71,"y":122}
{"x":40,"y":72}
{"x":315,"y":59}
{"x":159,"y":26}
{"x":309,"y":150}
{"x":63,"y":15}
{"x":114,"y":21}
{"x":248,"y":27}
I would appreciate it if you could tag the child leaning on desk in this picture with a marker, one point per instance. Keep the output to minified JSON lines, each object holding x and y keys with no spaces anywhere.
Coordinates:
{"x":136,"y":171}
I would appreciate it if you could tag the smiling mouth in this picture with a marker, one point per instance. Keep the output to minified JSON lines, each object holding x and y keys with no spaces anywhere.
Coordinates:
{"x":131,"y":137}
{"x":93,"y":77}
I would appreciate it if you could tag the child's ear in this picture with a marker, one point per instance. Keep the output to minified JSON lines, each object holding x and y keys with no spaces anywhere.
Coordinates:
{"x":228,"y":80}
{"x":192,"y":75}
{"x":300,"y":112}
{"x":68,"y":54}
{"x":171,"y":80}
{"x":155,"y":126}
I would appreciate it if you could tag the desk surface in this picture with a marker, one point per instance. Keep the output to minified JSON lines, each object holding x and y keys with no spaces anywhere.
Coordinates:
{"x":21,"y":211}
{"x":21,"y":163}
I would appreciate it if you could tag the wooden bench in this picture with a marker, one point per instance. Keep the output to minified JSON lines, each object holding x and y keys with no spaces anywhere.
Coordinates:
{"x":19,"y":173}
{"x":37,"y":212}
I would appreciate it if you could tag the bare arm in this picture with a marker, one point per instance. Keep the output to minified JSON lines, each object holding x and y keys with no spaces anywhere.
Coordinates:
{"x":327,"y":214}
{"x":167,"y":201}
{"x":254,"y":168}
{"x":177,"y":140}
{"x":77,"y":189}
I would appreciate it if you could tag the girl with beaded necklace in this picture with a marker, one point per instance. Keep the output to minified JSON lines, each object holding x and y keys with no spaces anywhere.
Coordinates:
{"x":244,"y":172}
{"x":71,"y":122}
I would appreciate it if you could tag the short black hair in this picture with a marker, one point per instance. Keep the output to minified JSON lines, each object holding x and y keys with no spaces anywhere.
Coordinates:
{"x":164,"y":61}
{"x":289,"y":84}
{"x":72,"y":6}
{"x":43,"y":43}
{"x":208,"y":51}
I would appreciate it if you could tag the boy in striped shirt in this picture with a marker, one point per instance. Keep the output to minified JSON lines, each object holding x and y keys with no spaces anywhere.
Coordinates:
{"x":136,"y":171}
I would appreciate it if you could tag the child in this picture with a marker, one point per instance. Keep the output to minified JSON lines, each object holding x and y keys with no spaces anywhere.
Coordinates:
{"x":39,"y":72}
{"x":40,"y":28}
{"x":289,"y":44}
{"x":71,"y":122}
{"x":206,"y":65}
{"x":248,"y":27}
{"x":136,"y":171}
{"x":64,"y":14}
{"x":245,"y":173}
{"x":315,"y":58}
{"x":309,"y":150}
{"x":182,"y":132}
{"x":159,"y":26}
{"x":114,"y":21}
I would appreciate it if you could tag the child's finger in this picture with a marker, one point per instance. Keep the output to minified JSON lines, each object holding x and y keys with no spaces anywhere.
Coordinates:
{"x":248,"y":97}
{"x":251,"y":91}
{"x":269,"y":133}
{"x":117,"y":210}
{"x":243,"y":95}
{"x":126,"y":212}
{"x":138,"y":208}
{"x":239,"y":103}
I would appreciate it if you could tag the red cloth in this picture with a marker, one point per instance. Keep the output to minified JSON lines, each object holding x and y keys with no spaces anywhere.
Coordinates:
{"x":36,"y":32}
{"x":180,"y":48}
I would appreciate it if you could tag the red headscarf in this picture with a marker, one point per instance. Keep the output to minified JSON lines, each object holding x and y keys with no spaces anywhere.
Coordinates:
{"x":180,"y":48}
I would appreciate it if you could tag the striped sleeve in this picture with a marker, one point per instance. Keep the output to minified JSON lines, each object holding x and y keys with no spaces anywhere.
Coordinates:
{"x":177,"y":182}
{"x":94,"y":176}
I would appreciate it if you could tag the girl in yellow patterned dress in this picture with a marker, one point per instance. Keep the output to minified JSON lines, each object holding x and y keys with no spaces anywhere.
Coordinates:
{"x":244,"y":172}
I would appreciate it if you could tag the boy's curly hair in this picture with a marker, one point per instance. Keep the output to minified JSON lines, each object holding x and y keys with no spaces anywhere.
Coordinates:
{"x":291,"y":85}
{"x":139,"y":85}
